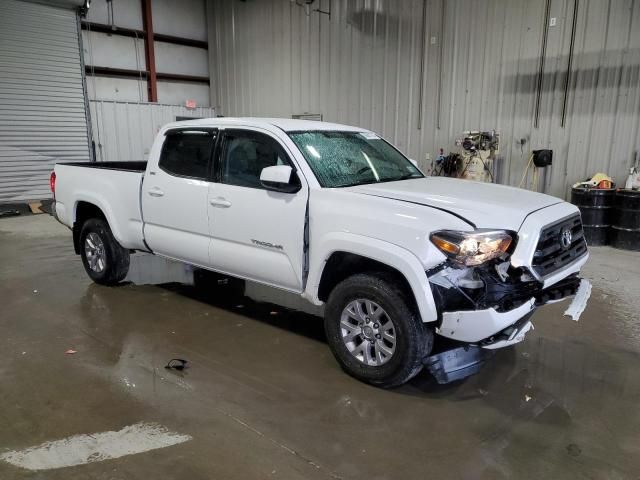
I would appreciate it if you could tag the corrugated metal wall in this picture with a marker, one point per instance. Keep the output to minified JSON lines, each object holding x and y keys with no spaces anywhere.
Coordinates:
{"x":185,"y":19}
{"x":362,"y":65}
{"x":124,"y":131}
{"x":42,"y":109}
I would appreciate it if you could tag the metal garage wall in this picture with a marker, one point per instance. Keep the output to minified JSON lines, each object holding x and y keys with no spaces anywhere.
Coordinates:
{"x":42,"y":103}
{"x":362,"y":65}
{"x":186,"y":19}
{"x":125,"y":131}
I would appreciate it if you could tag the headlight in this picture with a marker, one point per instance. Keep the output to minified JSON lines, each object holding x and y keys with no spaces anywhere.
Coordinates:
{"x":472,"y":248}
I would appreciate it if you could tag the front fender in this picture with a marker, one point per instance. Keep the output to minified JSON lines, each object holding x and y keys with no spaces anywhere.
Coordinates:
{"x":387,"y":253}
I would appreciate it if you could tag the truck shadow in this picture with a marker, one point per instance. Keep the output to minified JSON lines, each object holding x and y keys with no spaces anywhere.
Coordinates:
{"x":514,"y":372}
{"x":265,"y":305}
{"x":268,"y":305}
{"x":540,"y":380}
{"x":572,"y":391}
{"x":294,"y":321}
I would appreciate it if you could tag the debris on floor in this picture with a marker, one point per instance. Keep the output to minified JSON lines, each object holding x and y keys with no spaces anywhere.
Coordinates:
{"x":35,"y":208}
{"x":176,"y":364}
{"x":574,"y":450}
{"x":579,"y":302}
{"x":9,"y":213}
{"x":70,"y":352}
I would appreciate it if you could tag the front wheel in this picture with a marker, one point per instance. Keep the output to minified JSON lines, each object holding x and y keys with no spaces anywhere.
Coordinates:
{"x":374,"y":331}
{"x":104,"y":260}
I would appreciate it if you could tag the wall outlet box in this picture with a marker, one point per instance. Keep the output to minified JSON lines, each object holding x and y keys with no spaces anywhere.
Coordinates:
{"x":552,"y":22}
{"x":427,"y":156}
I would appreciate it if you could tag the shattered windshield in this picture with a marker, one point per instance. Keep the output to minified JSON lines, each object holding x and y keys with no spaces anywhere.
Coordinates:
{"x":344,"y":159}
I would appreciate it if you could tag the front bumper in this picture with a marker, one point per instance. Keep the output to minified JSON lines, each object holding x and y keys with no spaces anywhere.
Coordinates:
{"x":491,"y":329}
{"x":473,"y":326}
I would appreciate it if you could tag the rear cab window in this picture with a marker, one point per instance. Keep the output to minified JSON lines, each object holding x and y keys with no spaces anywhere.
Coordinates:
{"x":188,"y":153}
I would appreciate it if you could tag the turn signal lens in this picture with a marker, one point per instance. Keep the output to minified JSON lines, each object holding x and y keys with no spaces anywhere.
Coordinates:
{"x":444,"y":245}
{"x":472,"y":248}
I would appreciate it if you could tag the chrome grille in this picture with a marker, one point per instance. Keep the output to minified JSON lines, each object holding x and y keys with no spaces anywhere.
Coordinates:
{"x":550,"y":254}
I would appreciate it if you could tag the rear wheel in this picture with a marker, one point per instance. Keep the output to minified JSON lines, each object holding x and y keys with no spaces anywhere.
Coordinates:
{"x":104,"y":260}
{"x":374,"y":331}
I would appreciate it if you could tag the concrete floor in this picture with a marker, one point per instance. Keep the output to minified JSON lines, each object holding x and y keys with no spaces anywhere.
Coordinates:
{"x":265,"y":399}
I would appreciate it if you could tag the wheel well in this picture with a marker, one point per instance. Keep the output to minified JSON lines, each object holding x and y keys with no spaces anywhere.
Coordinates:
{"x":84,"y":212}
{"x":341,"y":265}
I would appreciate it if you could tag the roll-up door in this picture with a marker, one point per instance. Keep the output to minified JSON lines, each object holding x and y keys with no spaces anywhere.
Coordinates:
{"x":42,"y":106}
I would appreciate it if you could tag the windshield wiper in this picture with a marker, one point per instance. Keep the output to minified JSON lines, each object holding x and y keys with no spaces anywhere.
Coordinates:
{"x":384,"y":180}
{"x":407,"y":176}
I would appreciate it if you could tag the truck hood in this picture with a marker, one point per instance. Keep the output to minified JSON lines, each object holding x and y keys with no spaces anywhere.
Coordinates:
{"x":484,"y":205}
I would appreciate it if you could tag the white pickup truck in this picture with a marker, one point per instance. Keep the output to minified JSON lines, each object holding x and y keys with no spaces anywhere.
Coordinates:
{"x":339,"y":216}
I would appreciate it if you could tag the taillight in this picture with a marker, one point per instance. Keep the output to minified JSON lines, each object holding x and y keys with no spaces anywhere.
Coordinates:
{"x":52,"y":183}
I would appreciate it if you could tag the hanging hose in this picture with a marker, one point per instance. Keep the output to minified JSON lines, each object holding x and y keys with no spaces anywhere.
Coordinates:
{"x":526,"y":170}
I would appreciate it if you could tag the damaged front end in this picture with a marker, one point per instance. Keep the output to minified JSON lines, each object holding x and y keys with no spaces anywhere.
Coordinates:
{"x":487,"y":305}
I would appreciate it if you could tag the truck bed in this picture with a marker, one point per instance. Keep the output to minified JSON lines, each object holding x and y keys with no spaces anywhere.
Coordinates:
{"x":113,"y":187}
{"x":135,"y":166}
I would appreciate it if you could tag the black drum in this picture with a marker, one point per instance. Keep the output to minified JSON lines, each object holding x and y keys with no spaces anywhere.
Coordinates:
{"x":625,"y":227}
{"x":596,"y":207}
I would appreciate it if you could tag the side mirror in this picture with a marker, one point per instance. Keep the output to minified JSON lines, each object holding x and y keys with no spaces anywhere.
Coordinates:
{"x":280,"y":178}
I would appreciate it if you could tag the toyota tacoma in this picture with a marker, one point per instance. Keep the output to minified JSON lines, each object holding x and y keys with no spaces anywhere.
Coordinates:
{"x":413,"y":270}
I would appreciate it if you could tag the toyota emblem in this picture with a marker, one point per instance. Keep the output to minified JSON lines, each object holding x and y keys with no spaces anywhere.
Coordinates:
{"x":566,"y":237}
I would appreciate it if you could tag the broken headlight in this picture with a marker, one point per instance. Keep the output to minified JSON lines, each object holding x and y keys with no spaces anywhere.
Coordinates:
{"x":472,"y":248}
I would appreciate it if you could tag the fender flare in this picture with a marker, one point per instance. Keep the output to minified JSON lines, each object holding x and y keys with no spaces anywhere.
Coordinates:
{"x":387,"y":253}
{"x":88,"y":197}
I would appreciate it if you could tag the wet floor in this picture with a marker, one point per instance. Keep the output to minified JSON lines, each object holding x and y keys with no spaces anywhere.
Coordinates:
{"x":263,"y":397}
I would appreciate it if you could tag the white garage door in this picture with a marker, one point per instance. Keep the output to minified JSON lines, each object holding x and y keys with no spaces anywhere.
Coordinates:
{"x":42,"y":110}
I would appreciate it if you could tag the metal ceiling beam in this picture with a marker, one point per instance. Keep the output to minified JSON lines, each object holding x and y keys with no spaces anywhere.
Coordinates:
{"x":133,"y":33}
{"x":92,"y":70}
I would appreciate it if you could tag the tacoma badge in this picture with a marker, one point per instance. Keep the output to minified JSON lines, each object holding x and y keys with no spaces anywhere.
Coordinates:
{"x":266,"y":244}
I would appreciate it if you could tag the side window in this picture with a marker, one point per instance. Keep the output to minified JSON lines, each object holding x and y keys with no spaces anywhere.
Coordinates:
{"x":246,"y":154}
{"x":187,"y":154}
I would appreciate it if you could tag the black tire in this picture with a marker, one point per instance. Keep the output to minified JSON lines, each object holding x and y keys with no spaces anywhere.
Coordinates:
{"x":116,"y":257}
{"x":414,"y":339}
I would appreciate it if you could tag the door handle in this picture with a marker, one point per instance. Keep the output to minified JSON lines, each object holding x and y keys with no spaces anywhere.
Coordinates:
{"x":156,"y":192}
{"x":220,"y":202}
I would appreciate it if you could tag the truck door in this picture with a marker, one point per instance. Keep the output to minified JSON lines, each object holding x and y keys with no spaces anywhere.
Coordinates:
{"x":256,"y":233}
{"x":174,"y":196}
